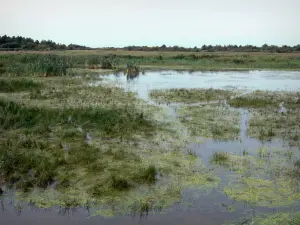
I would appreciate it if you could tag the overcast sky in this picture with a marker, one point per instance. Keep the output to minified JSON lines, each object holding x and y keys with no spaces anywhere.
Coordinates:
{"x":98,"y":23}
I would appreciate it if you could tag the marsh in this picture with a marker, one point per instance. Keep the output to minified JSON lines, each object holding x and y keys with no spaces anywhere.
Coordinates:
{"x":210,"y":146}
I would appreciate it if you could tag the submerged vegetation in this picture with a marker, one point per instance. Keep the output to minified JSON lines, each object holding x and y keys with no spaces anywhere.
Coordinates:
{"x":190,"y":95}
{"x":212,"y":121}
{"x":282,"y":218}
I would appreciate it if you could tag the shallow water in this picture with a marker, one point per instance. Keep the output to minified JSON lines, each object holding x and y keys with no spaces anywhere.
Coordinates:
{"x":202,"y":208}
{"x":252,"y":80}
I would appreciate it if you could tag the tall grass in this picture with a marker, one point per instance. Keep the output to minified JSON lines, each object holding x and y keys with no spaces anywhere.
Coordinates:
{"x":36,"y":65}
{"x":112,"y":122}
{"x":106,"y":62}
{"x":31,"y":153}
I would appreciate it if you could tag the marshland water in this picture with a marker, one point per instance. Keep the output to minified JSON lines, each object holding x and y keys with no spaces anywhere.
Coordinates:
{"x":242,"y":127}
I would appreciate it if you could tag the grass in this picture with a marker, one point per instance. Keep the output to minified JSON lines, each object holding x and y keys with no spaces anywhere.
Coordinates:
{"x":33,"y":151}
{"x":96,"y":144}
{"x":269,"y":124}
{"x":99,"y":146}
{"x":34,"y":65}
{"x":281,"y":218}
{"x":18,"y":85}
{"x":264,"y":99}
{"x":265,"y":179}
{"x":220,"y":157}
{"x":254,"y":190}
{"x":215,"y":122}
{"x":273,"y":114}
{"x":190,"y":95}
{"x":218,"y":61}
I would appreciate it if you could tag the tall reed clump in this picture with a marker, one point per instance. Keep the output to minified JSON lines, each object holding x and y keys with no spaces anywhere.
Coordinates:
{"x":106,"y":62}
{"x":38,"y":65}
{"x":132,"y":70}
{"x":50,"y":65}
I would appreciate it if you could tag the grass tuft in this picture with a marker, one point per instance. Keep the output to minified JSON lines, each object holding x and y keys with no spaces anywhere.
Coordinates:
{"x":220,"y":157}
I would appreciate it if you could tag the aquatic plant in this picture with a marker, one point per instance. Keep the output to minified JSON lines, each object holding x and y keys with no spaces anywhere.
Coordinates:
{"x":190,"y":95}
{"x":262,"y":192}
{"x":220,"y":157}
{"x":263,"y":152}
{"x":211,"y":121}
{"x":265,"y":99}
{"x":131,"y":70}
{"x":267,"y":124}
{"x":282,"y":218}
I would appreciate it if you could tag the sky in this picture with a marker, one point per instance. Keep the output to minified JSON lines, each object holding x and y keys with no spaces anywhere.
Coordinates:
{"x":119,"y":23}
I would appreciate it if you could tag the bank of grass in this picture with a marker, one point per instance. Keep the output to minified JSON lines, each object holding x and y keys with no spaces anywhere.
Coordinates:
{"x":266,"y":99}
{"x":198,"y":61}
{"x":92,"y":146}
{"x":212,"y":121}
{"x":205,"y":61}
{"x":190,"y":95}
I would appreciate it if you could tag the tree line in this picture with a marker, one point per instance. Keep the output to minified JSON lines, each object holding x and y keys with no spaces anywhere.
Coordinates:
{"x":22,"y":43}
{"x":220,"y":48}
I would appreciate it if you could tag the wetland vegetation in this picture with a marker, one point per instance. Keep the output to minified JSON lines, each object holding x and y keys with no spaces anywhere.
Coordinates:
{"x":68,"y":143}
{"x":190,"y":95}
{"x":77,"y":141}
{"x":265,"y":178}
{"x":154,"y":60}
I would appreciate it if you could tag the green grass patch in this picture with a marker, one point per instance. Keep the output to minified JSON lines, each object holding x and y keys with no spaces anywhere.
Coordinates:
{"x":265,"y":179}
{"x":211,"y":121}
{"x":190,"y":95}
{"x":266,"y":124}
{"x":18,"y":85}
{"x":280,"y":218}
{"x":219,"y":157}
{"x":263,"y":99}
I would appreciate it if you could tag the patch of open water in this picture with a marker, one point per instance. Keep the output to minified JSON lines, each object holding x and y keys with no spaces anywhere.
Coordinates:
{"x":195,"y":207}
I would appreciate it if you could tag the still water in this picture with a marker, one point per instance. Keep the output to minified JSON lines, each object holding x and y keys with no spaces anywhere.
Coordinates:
{"x":203,"y":208}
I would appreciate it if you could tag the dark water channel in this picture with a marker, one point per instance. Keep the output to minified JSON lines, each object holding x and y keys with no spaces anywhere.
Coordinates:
{"x":203,"y":208}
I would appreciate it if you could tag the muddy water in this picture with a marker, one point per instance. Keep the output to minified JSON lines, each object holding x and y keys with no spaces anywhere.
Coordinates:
{"x":196,"y":207}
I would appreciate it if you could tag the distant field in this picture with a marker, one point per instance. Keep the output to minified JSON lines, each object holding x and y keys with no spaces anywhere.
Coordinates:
{"x":151,"y":53}
{"x":148,"y":60}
